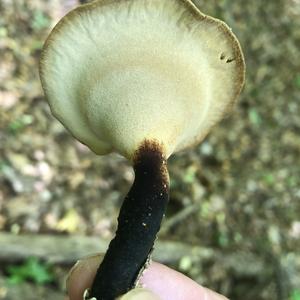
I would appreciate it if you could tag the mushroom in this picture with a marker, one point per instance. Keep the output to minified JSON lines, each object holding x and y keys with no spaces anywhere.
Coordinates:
{"x":146,"y":79}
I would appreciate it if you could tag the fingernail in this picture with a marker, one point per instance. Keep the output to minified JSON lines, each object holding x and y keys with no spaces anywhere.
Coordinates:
{"x":86,"y":262}
{"x":140,"y":294}
{"x":71,"y":271}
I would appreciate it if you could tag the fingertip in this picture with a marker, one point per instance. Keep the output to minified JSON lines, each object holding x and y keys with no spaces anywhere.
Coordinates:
{"x":170,"y":284}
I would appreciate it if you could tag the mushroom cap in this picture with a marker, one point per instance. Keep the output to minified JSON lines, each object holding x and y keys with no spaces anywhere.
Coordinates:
{"x":119,"y":72}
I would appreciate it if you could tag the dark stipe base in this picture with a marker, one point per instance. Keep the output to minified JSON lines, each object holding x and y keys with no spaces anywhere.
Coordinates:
{"x":138,"y":224}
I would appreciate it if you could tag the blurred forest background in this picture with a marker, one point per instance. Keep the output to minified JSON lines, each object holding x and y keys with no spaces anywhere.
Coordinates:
{"x":233,"y":221}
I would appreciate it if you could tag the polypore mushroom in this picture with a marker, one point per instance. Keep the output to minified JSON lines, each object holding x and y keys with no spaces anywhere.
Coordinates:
{"x":144,"y":78}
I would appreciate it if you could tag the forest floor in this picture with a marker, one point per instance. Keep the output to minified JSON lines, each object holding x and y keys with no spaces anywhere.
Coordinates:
{"x":236,"y":193}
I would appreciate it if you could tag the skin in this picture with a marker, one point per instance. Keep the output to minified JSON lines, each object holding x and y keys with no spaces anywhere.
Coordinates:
{"x":157,"y":282}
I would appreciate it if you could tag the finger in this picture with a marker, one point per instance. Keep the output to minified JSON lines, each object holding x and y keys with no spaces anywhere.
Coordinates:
{"x":172,"y":285}
{"x":82,"y":274}
{"x":161,"y":280}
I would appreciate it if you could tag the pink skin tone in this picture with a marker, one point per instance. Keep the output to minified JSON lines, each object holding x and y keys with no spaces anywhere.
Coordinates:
{"x":168,"y":284}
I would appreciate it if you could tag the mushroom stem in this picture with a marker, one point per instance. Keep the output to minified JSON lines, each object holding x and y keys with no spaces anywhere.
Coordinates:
{"x":138,"y":224}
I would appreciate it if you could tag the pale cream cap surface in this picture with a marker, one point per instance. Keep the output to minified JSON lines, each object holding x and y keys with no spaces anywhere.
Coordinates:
{"x":118,"y":72}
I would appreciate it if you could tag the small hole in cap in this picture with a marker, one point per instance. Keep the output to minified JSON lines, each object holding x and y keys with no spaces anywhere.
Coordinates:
{"x":229,"y":60}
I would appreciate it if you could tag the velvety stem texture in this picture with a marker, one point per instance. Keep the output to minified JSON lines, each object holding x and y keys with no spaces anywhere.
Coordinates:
{"x":138,"y":224}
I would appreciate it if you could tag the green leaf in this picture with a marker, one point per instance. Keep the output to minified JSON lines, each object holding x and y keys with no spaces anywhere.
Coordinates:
{"x":223,"y":239}
{"x":15,"y":126}
{"x":3,"y":165}
{"x":295,"y":295}
{"x":19,"y":124}
{"x":190,"y":175}
{"x":269,"y":179}
{"x":40,"y":21}
{"x":33,"y":270}
{"x":254,"y":117}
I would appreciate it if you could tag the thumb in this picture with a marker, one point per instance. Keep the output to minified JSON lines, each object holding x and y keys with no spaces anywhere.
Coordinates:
{"x":156,"y":280}
{"x":140,"y":294}
{"x":82,"y":274}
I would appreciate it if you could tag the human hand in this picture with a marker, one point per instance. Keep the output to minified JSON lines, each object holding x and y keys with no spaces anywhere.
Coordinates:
{"x":157,"y":282}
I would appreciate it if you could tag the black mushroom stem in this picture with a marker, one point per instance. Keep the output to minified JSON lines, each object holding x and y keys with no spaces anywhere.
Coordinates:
{"x":138,"y":224}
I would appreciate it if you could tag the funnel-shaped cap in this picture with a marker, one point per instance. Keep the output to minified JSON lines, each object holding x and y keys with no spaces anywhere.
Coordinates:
{"x":118,"y":72}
